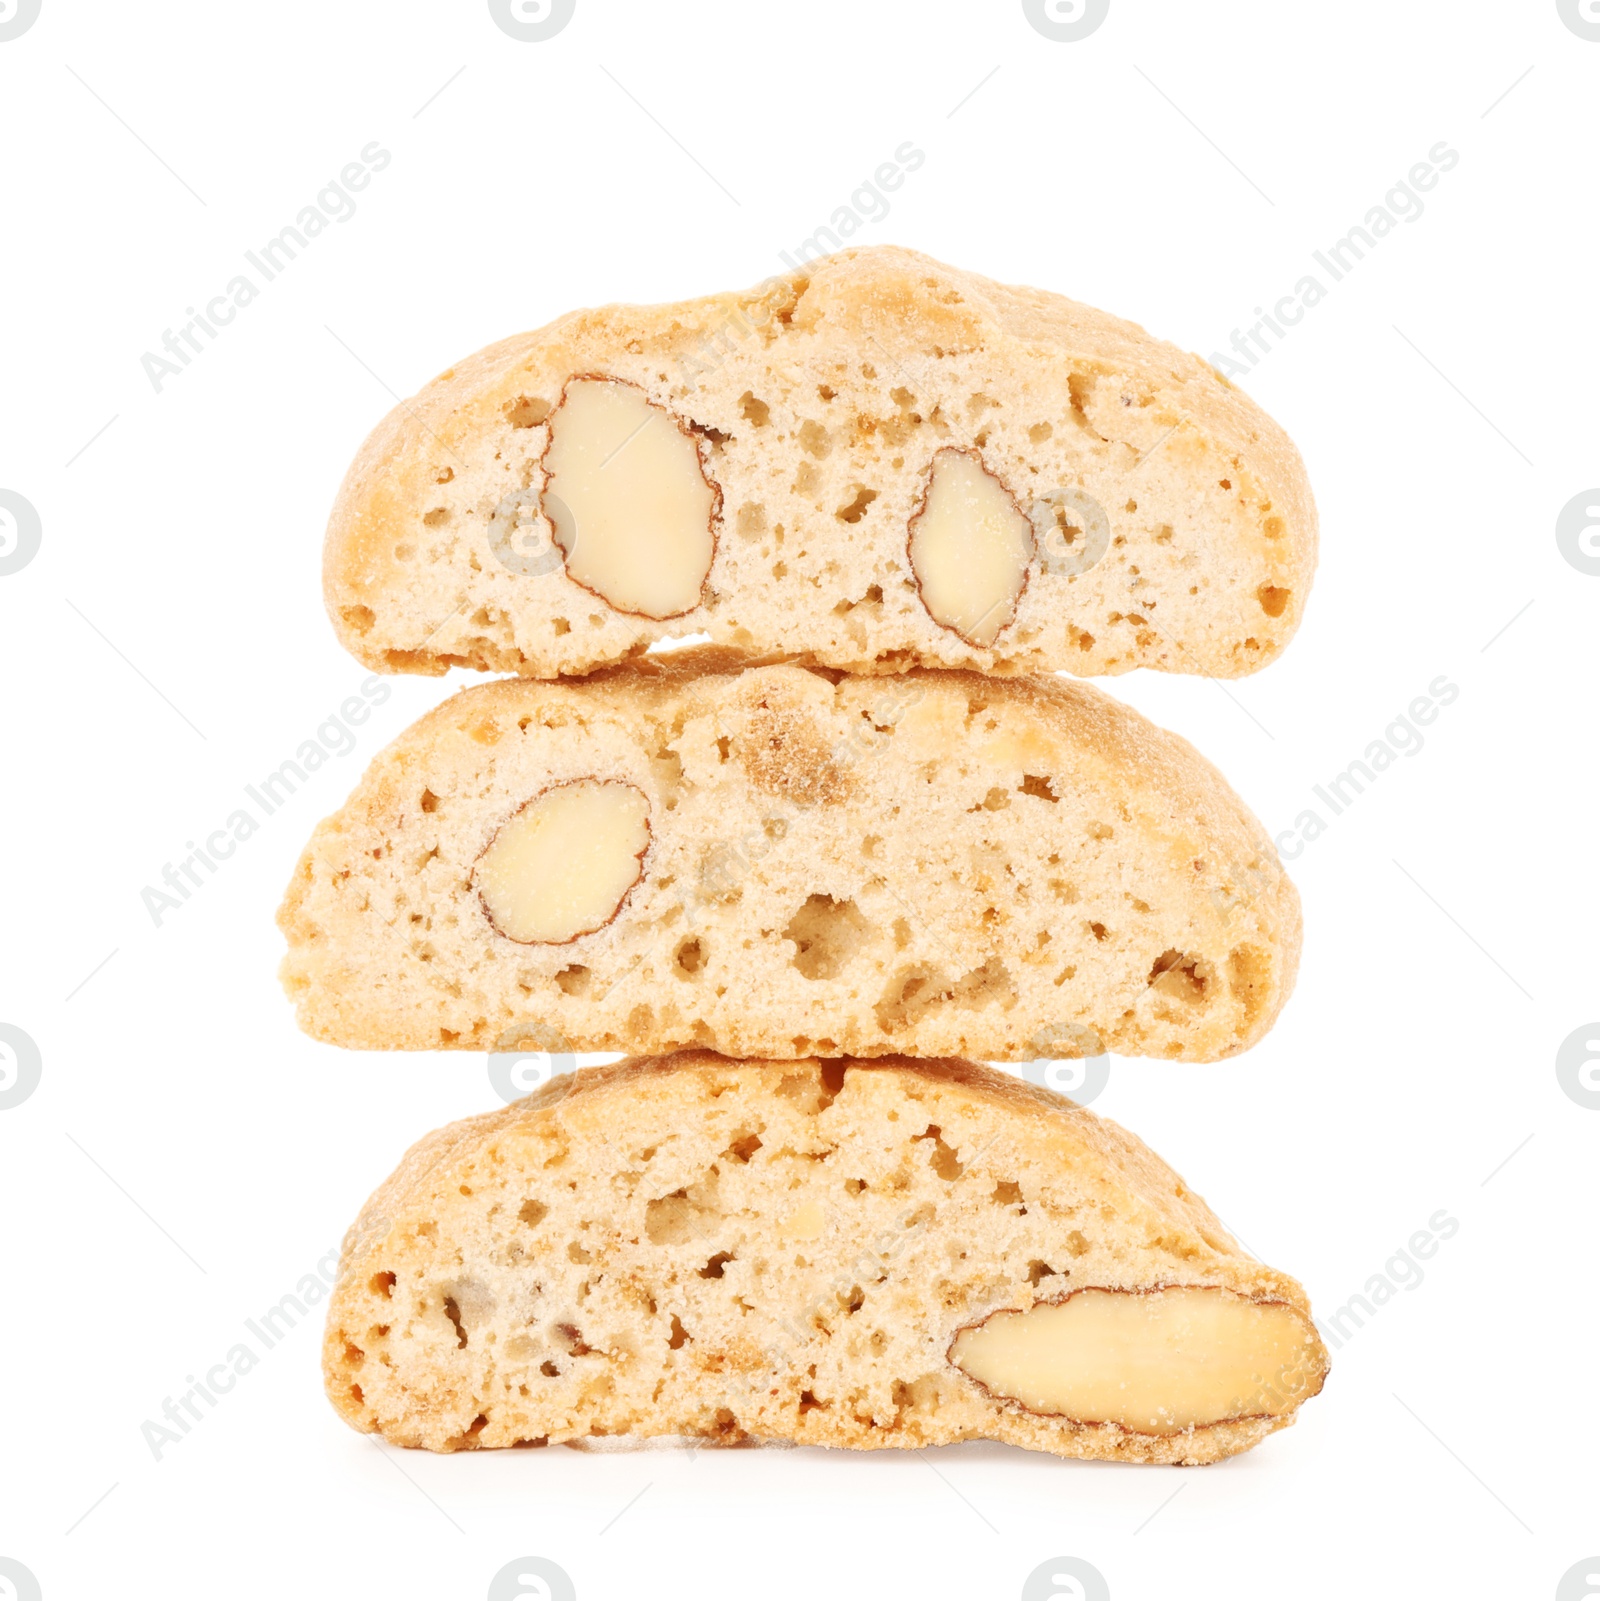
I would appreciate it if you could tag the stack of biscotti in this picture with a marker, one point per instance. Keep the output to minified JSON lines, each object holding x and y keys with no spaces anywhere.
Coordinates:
{"x":868,"y":830}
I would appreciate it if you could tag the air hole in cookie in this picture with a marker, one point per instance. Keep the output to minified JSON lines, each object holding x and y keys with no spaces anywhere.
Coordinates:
{"x":1249,"y":980}
{"x":713,"y":1268}
{"x":1273,"y":600}
{"x":356,"y":1395}
{"x":688,"y":959}
{"x":382,"y":1284}
{"x":549,"y":1369}
{"x":755,"y":412}
{"x":1039,"y":788}
{"x":575,"y":1343}
{"x":574,"y":980}
{"x":1040,"y":432}
{"x":527,"y":411}
{"x":430,"y":801}
{"x":943,"y":1159}
{"x":679,"y":1335}
{"x":814,"y":439}
{"x":669,"y":1220}
{"x":1186,"y":978}
{"x":832,"y":1082}
{"x":1040,"y":1270}
{"x":827,"y":934}
{"x":453,"y":1312}
{"x":743,"y":1147}
{"x":360,"y":618}
{"x":1098,"y":930}
{"x":436,"y":518}
{"x":1006,"y":1193}
{"x":857,"y":509}
{"x":533,"y":1212}
{"x":1077,"y":1244}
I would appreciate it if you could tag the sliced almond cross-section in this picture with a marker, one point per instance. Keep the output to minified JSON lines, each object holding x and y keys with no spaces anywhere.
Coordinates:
{"x":563,"y":865}
{"x":970,"y":547}
{"x":628,"y":499}
{"x":1155,"y":1361}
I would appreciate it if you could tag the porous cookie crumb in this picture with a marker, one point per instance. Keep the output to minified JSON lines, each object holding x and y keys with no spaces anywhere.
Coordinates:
{"x":1146,"y":513}
{"x":752,"y":1252}
{"x":933,"y":864}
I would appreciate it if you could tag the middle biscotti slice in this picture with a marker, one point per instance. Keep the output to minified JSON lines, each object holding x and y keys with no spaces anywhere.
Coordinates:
{"x":786,"y":862}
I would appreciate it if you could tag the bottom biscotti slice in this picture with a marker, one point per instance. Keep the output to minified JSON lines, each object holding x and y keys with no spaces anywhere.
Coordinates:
{"x":851,"y":1253}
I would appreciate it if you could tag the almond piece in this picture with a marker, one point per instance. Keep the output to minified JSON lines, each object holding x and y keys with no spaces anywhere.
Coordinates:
{"x":1154,"y":1361}
{"x":970,"y":547}
{"x":562,"y":866}
{"x":628,"y":498}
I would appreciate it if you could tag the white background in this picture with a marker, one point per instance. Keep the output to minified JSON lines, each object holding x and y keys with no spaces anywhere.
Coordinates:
{"x":188,"y":1156}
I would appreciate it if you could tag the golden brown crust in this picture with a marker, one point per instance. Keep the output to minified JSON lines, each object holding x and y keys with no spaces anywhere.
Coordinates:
{"x":1148,"y":430}
{"x":1150,"y":1231}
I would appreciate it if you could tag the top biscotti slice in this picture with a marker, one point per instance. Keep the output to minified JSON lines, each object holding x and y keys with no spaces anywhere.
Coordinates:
{"x":873,"y":463}
{"x":784,"y":861}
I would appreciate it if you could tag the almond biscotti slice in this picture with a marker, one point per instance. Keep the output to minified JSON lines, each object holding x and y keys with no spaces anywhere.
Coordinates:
{"x":872,"y":463}
{"x":863,"y":1254}
{"x":785,"y":862}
